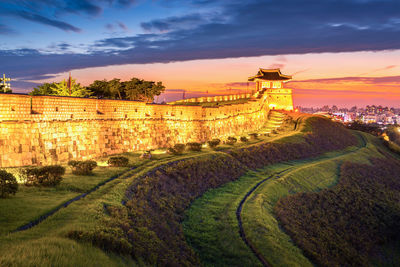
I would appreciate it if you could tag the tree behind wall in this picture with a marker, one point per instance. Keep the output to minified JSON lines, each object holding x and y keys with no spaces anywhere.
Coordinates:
{"x":61,"y":89}
{"x":134,"y":89}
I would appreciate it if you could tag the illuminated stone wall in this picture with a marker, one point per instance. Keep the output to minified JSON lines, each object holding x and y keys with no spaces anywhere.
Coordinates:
{"x":217,"y":98}
{"x":280,"y":99}
{"x":41,"y":130}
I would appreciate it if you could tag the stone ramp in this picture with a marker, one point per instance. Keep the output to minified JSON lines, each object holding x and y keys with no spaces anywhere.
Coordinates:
{"x":275,"y":120}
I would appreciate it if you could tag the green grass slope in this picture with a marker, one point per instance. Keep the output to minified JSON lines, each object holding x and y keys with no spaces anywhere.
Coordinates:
{"x":211,"y":226}
{"x":343,"y":225}
{"x":136,"y":219}
{"x":49,"y":244}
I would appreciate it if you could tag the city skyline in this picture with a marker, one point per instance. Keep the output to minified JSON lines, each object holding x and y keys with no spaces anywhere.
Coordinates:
{"x":339,"y":52}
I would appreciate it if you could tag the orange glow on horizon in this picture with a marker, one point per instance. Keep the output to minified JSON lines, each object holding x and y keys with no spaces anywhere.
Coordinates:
{"x":313,"y":76}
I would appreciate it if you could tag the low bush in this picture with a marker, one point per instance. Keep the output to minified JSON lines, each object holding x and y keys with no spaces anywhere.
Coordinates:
{"x":213,"y":143}
{"x":43,"y":176}
{"x":244,"y":139}
{"x":118,"y":161}
{"x":231,"y":140}
{"x":82,"y":167}
{"x":8,"y":184}
{"x":253,"y":136}
{"x":194,"y":146}
{"x":177,"y":149}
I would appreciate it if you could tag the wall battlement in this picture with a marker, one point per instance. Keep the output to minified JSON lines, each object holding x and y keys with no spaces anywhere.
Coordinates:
{"x":208,"y":99}
{"x":41,"y":130}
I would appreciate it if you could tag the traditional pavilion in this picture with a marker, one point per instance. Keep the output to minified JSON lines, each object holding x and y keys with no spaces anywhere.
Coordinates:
{"x":269,"y":78}
{"x":270,"y":82}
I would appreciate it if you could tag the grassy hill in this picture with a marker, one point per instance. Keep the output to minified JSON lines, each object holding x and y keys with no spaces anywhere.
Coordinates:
{"x":211,"y":224}
{"x":183,"y":209}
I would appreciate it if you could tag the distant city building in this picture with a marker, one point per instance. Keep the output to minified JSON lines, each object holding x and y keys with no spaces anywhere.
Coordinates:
{"x":370,"y":114}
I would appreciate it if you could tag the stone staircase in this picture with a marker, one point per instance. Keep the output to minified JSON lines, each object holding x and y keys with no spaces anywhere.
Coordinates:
{"x":275,"y":120}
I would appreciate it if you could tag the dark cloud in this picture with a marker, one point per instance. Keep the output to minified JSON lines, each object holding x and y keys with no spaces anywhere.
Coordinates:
{"x":60,"y":47}
{"x":276,"y":66}
{"x":5,"y":30}
{"x":173,"y":23}
{"x":83,"y":6}
{"x":47,"y":12}
{"x":240,"y":84}
{"x":109,"y":27}
{"x":365,"y":80}
{"x":348,"y":93}
{"x":175,"y":90}
{"x":43,"y":20}
{"x":233,"y":29}
{"x":122,"y":26}
{"x":381,"y":69}
{"x":116,"y":27}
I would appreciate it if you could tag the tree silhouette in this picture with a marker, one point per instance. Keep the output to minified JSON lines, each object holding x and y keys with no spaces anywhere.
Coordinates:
{"x":134,"y":89}
{"x":61,"y":89}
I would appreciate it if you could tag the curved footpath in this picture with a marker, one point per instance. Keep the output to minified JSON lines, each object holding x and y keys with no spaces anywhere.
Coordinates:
{"x":239,"y":218}
{"x":68,"y":202}
{"x":239,"y":209}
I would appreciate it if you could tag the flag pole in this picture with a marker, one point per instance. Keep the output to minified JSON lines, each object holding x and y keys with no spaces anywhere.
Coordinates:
{"x":69,"y":83}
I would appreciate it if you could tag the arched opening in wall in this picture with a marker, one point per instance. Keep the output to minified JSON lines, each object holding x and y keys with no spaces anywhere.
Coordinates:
{"x":135,"y":109}
{"x":115,"y":109}
{"x":56,"y":108}
{"x":12,"y":109}
{"x":84,"y":109}
{"x":126,"y":116}
{"x":72,"y":116}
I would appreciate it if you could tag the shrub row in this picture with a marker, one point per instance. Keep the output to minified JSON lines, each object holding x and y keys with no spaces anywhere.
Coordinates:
{"x":118,"y":161}
{"x":214,"y":143}
{"x":43,"y":176}
{"x":177,"y":149}
{"x":343,"y":225}
{"x":156,"y":202}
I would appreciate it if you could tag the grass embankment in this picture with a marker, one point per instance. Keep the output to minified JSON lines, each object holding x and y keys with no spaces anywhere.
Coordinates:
{"x":343,"y":225}
{"x":47,"y":243}
{"x":31,"y":202}
{"x":150,"y":221}
{"x":211,"y":226}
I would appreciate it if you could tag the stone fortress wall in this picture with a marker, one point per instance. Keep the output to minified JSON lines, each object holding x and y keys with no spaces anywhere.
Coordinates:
{"x":42,"y":130}
{"x":217,"y":98}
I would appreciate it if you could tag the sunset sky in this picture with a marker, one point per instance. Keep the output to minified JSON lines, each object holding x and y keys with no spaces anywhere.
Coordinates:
{"x":343,"y":52}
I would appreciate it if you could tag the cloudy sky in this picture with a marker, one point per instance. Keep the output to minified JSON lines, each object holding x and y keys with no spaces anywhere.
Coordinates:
{"x":341,"y":52}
